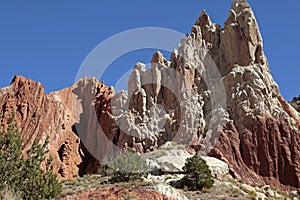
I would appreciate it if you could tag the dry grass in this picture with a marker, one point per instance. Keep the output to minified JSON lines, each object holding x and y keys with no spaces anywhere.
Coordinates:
{"x":93,"y":182}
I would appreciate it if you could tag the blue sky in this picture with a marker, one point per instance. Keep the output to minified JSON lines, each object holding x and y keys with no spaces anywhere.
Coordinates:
{"x":48,"y":40}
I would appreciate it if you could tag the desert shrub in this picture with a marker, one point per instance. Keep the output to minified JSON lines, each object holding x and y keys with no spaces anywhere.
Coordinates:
{"x":24,"y":175}
{"x":105,"y":170}
{"x":197,"y":174}
{"x":127,"y":167}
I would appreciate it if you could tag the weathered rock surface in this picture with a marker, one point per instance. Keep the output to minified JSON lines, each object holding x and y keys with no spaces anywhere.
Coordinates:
{"x":167,"y":159}
{"x":55,"y":115}
{"x":170,"y":159}
{"x":296,"y":103}
{"x":239,"y":42}
{"x":235,"y":105}
{"x":264,"y":136}
{"x":294,"y":195}
{"x":216,"y":95}
{"x":218,"y":167}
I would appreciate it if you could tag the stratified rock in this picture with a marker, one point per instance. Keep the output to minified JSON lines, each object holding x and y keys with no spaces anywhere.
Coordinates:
{"x":216,"y":95}
{"x":235,"y":105}
{"x":58,"y":115}
{"x":38,"y":116}
{"x":264,"y":139}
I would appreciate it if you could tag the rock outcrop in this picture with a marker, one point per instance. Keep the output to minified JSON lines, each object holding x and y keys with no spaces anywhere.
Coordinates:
{"x":216,"y":95}
{"x":55,"y":115}
{"x":296,"y":103}
{"x":264,"y":132}
{"x":217,"y":91}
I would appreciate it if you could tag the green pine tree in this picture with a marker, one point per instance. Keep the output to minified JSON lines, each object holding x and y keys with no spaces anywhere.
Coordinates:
{"x":11,"y":158}
{"x":197,"y":174}
{"x":26,"y":176}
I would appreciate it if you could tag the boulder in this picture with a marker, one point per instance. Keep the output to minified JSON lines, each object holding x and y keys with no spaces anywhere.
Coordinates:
{"x":218,"y":167}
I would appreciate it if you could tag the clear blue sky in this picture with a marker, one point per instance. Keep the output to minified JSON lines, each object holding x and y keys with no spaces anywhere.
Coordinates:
{"x":48,"y":40}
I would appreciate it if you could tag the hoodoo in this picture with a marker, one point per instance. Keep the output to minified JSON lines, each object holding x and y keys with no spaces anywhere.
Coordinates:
{"x":216,"y":87}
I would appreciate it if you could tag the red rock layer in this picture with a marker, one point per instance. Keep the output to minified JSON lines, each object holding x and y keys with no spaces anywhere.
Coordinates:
{"x":55,"y":115}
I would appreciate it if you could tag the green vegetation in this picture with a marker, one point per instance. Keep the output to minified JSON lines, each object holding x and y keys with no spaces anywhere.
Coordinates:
{"x":89,"y":181}
{"x":197,"y":174}
{"x":7,"y":194}
{"x":126,"y":168}
{"x":93,"y":181}
{"x":159,"y":153}
{"x":24,"y":175}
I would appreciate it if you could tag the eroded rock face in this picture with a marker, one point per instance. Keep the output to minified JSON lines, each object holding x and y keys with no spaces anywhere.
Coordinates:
{"x":216,"y":95}
{"x":38,"y":116}
{"x":252,"y":127}
{"x":239,"y":42}
{"x":58,"y":116}
{"x":262,"y":143}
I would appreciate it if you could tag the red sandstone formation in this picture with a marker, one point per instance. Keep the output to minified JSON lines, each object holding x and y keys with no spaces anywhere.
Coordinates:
{"x":39,"y":115}
{"x":236,"y":103}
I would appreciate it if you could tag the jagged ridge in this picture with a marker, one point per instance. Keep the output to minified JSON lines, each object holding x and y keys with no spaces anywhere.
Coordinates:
{"x":258,"y":129}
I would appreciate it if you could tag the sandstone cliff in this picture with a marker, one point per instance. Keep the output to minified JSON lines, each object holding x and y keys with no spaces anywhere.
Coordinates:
{"x":216,"y":92}
{"x":55,"y":115}
{"x":216,"y":95}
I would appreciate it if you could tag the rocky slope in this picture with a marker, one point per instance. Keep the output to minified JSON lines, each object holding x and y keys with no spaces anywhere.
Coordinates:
{"x":215,"y":95}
